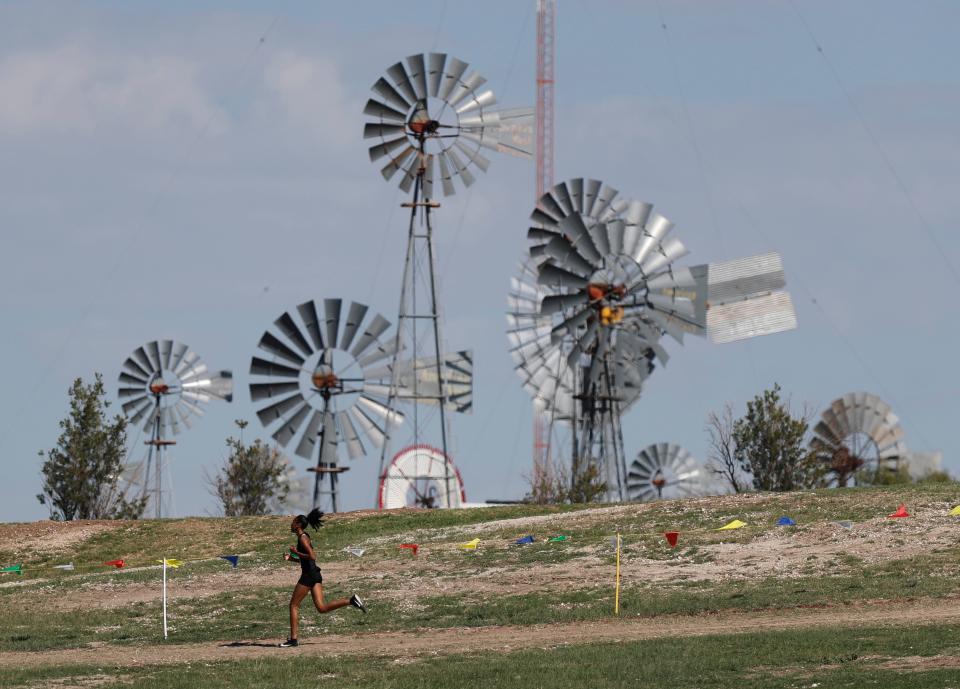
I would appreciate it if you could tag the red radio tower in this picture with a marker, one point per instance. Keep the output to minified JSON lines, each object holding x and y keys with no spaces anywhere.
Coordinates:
{"x":546,"y":37}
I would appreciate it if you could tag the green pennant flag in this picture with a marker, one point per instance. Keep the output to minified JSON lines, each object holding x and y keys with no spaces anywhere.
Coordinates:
{"x":557,"y":539}
{"x":13,"y":569}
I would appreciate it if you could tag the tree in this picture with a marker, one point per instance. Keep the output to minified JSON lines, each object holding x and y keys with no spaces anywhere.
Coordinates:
{"x":81,"y":475}
{"x":252,"y":478}
{"x":722,"y":450}
{"x":769,"y":446}
{"x":552,"y":484}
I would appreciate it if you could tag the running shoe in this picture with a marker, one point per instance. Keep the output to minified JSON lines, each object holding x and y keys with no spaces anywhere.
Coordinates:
{"x":289,"y":643}
{"x":357,"y":603}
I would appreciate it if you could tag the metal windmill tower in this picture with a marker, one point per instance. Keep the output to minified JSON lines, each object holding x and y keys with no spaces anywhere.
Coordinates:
{"x":596,"y":295}
{"x":431,"y":122}
{"x":166,"y":385}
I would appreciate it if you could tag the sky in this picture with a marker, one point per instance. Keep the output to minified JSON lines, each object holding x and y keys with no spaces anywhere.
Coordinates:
{"x":189,"y":170}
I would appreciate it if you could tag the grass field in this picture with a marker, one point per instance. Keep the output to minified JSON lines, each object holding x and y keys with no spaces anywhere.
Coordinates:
{"x":762,"y":606}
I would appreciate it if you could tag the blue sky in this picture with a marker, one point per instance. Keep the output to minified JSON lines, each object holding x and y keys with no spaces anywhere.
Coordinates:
{"x":165,"y":174}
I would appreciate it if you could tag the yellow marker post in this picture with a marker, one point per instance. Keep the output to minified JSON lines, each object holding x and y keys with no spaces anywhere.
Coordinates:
{"x":616,"y":598}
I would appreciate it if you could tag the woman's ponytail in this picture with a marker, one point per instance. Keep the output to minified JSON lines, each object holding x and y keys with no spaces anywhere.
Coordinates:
{"x":315,"y":518}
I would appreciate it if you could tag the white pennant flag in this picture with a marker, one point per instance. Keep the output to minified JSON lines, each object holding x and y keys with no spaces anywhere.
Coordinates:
{"x":67,"y":567}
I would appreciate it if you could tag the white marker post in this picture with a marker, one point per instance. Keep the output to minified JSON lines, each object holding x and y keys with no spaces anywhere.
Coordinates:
{"x":164,"y":598}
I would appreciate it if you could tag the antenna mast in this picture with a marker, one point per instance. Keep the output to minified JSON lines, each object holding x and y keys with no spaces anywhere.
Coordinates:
{"x":546,"y":40}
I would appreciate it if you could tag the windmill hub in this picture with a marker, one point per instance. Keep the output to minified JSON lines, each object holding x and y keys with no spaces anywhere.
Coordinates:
{"x":158,"y":387}
{"x":324,"y":379}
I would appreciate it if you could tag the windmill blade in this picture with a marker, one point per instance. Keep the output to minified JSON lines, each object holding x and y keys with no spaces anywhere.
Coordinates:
{"x":262,"y":391}
{"x":663,"y":255}
{"x":427,"y":177}
{"x":561,"y":302}
{"x":370,"y":428}
{"x":417,"y":73}
{"x":465,"y":89}
{"x":382,"y":130}
{"x":262,"y":367}
{"x":570,"y":325}
{"x":446,"y":175}
{"x":153,"y":351}
{"x":460,"y":168}
{"x":270,"y":343}
{"x":384,"y":112}
{"x":551,"y":274}
{"x":391,"y":96}
{"x":472,"y":155}
{"x":331,"y":308}
{"x":128,"y":379}
{"x":374,"y":330}
{"x":583,"y":343}
{"x":387,"y":147}
{"x":655,"y":231}
{"x":454,"y":71}
{"x":308,"y":441}
{"x":402,"y":81}
{"x":329,"y":439}
{"x":355,"y":316}
{"x":566,"y":255}
{"x":288,"y":429}
{"x":166,"y":351}
{"x":397,"y":163}
{"x":140,"y":357}
{"x":435,"y":73}
{"x":350,"y":437}
{"x":381,"y":412}
{"x":278,"y":409}
{"x":288,"y":327}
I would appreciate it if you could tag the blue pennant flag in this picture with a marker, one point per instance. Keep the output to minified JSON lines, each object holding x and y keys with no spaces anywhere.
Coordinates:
{"x":232,"y":559}
{"x":524,"y":540}
{"x":786,"y":521}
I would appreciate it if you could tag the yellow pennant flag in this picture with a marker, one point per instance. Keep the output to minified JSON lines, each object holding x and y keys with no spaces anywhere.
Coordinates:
{"x":735,"y":524}
{"x":170,"y":562}
{"x":470,"y":545}
{"x":955,"y":512}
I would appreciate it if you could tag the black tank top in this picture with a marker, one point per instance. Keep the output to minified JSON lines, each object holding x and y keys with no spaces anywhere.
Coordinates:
{"x":307,"y":566}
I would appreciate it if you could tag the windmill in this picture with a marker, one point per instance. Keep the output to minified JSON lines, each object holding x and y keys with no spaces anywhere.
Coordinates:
{"x":857,"y":438}
{"x":165,"y":386}
{"x":596,"y":295}
{"x":664,"y":471}
{"x":431,"y":123}
{"x":416,"y":477}
{"x":328,"y":379}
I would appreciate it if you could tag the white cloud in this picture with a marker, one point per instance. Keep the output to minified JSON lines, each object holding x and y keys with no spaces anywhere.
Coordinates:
{"x":76,"y":90}
{"x":312,"y":97}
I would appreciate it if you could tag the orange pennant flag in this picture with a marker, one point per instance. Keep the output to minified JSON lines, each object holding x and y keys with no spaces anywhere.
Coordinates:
{"x":672,"y":538}
{"x":114,"y":563}
{"x":901,"y":512}
{"x":411,"y":546}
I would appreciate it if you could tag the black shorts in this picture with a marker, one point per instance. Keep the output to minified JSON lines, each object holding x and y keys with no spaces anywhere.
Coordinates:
{"x":310,"y":579}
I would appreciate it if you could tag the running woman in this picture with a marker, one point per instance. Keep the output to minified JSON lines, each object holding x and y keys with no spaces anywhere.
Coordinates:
{"x":310,"y":578}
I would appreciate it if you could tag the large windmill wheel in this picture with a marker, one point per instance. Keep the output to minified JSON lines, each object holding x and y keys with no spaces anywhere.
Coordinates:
{"x":664,"y":471}
{"x":317,"y":379}
{"x":165,"y":386}
{"x":428,"y":109}
{"x":858,"y":437}
{"x":421,"y":476}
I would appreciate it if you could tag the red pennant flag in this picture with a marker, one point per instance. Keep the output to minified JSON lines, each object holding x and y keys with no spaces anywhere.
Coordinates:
{"x":672,"y":538}
{"x":901,"y":512}
{"x":114,"y":563}
{"x":410,"y":546}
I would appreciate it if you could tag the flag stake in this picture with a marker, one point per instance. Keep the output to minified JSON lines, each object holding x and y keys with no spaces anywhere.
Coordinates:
{"x":164,"y":598}
{"x":616,"y":598}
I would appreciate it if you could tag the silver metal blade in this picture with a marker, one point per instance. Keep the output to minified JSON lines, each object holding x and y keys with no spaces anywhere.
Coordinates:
{"x":350,"y":437}
{"x":435,"y":72}
{"x":262,"y":391}
{"x":389,"y":145}
{"x":330,"y":439}
{"x":288,"y":327}
{"x":391,"y":95}
{"x":288,"y":430}
{"x":262,"y":367}
{"x":665,"y":254}
{"x":153,"y":351}
{"x":460,"y":168}
{"x":127,"y":376}
{"x":453,"y":73}
{"x":381,"y":130}
{"x":308,"y":441}
{"x":140,"y":356}
{"x":591,"y":190}
{"x":483,"y":100}
{"x":272,"y":344}
{"x":369,"y":427}
{"x":446,"y":177}
{"x":570,"y":325}
{"x":355,"y":316}
{"x":550,"y":274}
{"x":418,"y":75}
{"x":654,"y":232}
{"x":179,"y":351}
{"x":331,"y":308}
{"x":465,"y":88}
{"x":472,"y":155}
{"x":561,"y":302}
{"x":574,"y":228}
{"x":575,"y":187}
{"x":400,"y":78}
{"x":565,"y":255}
{"x":374,"y":330}
{"x":397,"y":163}
{"x":276,"y":410}
{"x":428,"y":177}
{"x":583,"y":344}
{"x":166,"y":351}
{"x":308,"y":314}
{"x":375,"y":108}
{"x":137,"y":403}
{"x":410,"y":170}
{"x":561,"y":195}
